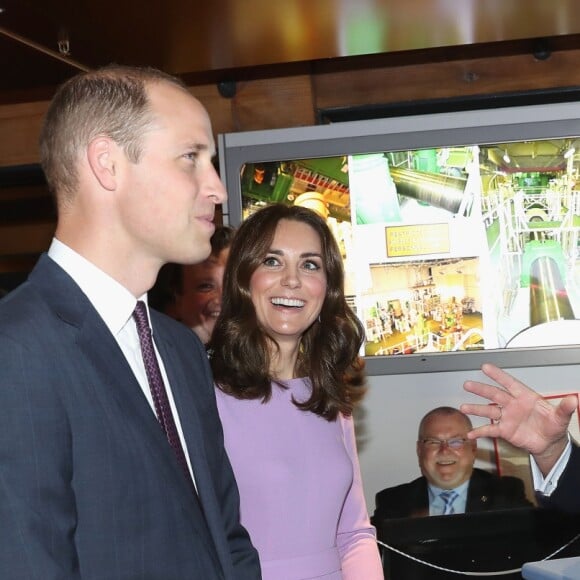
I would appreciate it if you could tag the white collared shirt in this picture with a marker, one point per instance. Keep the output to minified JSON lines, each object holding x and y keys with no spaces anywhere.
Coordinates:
{"x":548,"y":484}
{"x":115,"y":305}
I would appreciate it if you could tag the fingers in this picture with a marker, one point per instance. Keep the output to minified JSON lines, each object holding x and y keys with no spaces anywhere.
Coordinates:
{"x":496,"y":374}
{"x":490,"y":392}
{"x":566,"y":408}
{"x":493,"y":393}
{"x":505,"y":380}
{"x":487,"y":411}
{"x":508,"y":389}
{"x":491,"y":430}
{"x":474,"y":409}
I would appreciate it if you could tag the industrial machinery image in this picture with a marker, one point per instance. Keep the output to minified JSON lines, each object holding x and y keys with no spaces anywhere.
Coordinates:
{"x":457,"y":248}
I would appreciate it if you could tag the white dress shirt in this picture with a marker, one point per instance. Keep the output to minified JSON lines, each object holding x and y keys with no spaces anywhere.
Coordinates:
{"x":548,"y":484}
{"x":115,"y":305}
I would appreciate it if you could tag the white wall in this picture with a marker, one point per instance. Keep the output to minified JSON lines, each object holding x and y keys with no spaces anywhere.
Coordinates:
{"x":387,"y":420}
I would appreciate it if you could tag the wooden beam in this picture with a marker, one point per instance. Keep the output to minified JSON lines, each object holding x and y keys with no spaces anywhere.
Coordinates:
{"x":25,"y":238}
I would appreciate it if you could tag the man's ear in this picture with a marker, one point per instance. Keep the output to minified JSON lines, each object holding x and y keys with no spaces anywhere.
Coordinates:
{"x":102,"y":154}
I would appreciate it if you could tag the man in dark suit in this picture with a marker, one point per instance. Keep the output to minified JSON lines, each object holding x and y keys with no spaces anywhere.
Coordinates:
{"x":102,"y":477}
{"x":449,"y":483}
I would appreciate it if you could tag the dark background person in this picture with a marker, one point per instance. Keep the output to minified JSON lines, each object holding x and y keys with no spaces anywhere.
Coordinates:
{"x":192,"y":293}
{"x":523,"y":418}
{"x":199,"y":296}
{"x":113,"y":465}
{"x":446,"y":459}
{"x":285,"y":358}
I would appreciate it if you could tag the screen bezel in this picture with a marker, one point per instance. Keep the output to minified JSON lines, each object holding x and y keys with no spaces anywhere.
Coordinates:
{"x":473,"y":127}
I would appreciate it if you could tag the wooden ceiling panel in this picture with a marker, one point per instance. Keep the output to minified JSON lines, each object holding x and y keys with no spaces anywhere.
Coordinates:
{"x":186,"y":37}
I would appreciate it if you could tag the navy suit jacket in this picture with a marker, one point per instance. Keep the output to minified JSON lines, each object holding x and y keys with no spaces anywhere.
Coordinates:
{"x":485,"y":492}
{"x":89,"y":486}
{"x":566,"y":496}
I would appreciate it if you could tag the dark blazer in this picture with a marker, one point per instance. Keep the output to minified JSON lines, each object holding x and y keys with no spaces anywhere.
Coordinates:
{"x":485,"y":492}
{"x":89,"y":486}
{"x":566,"y":496}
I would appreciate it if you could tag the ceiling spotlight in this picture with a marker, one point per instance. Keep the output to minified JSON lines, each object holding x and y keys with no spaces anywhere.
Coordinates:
{"x":506,"y":157}
{"x":569,"y":153}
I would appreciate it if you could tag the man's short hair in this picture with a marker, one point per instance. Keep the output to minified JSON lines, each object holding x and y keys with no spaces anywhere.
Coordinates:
{"x":111,"y":101}
{"x":444,"y":412}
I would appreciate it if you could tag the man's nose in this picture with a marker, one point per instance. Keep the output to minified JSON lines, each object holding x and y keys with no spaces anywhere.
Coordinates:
{"x":216,"y":186}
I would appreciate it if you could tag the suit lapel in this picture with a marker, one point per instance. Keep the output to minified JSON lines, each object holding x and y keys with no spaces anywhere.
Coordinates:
{"x":189,"y":406}
{"x":120,"y":391}
{"x":185,"y":400}
{"x":103,"y":367}
{"x":419,"y":504}
{"x":114,"y":383}
{"x":121,"y":385}
{"x":477,"y":496}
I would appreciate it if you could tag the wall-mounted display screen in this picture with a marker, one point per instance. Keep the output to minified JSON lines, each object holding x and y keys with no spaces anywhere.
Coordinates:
{"x":458,"y":238}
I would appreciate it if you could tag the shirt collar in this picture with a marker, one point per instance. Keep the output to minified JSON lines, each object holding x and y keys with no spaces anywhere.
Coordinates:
{"x":113,"y":302}
{"x":460,"y":489}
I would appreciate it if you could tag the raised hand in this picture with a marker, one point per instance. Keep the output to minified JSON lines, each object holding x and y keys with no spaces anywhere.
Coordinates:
{"x":521,"y":416}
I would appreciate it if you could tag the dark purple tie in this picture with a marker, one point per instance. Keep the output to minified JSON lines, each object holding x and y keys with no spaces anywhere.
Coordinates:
{"x":158,"y":391}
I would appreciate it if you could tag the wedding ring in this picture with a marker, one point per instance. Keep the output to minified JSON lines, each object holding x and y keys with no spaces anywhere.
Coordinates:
{"x":496,"y":421}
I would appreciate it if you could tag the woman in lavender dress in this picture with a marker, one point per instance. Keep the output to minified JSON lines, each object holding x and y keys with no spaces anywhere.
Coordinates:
{"x":284,"y":356}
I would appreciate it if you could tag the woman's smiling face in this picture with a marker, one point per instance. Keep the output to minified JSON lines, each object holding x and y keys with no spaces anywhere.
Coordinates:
{"x":289,"y":286}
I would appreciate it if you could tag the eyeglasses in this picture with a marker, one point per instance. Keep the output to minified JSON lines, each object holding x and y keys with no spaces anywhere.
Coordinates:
{"x":454,"y":443}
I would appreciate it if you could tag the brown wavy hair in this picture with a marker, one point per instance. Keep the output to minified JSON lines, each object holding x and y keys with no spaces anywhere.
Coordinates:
{"x":240,"y":348}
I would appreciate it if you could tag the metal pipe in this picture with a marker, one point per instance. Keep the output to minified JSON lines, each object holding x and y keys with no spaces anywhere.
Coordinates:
{"x":548,"y":297}
{"x":442,"y":191}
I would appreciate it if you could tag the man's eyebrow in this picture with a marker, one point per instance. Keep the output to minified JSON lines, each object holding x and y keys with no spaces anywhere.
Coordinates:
{"x":198,"y":146}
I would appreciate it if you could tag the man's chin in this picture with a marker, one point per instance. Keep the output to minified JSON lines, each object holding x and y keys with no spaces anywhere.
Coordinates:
{"x":198,"y":258}
{"x":448,"y":482}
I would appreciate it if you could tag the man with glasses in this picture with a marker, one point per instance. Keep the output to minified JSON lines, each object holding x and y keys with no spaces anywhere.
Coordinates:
{"x":450,"y":484}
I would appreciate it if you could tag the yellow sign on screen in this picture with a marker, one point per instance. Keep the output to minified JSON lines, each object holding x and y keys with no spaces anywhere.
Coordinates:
{"x":417,"y":240}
